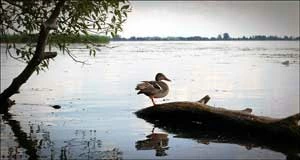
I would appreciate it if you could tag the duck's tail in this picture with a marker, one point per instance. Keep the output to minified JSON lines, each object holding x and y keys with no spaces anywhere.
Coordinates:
{"x":141,"y":86}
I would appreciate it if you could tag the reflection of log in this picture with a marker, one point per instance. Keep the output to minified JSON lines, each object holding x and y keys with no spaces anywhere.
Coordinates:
{"x":206,"y":136}
{"x":199,"y":114}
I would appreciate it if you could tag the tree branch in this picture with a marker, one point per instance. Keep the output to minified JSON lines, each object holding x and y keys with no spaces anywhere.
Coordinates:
{"x":204,"y":100}
{"x":100,"y":45}
{"x":16,"y":58}
{"x":14,"y":4}
{"x":51,"y":22}
{"x":76,"y":60}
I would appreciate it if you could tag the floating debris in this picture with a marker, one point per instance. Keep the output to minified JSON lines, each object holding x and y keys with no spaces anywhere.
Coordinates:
{"x":56,"y":106}
{"x":286,"y":62}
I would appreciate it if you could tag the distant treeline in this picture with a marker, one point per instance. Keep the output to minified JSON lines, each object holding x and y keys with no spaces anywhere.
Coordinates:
{"x":16,"y":38}
{"x":27,"y":38}
{"x":199,"y":38}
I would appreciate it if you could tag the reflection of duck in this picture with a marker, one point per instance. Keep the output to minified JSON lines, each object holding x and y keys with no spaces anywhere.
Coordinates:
{"x":154,"y":89}
{"x":154,"y":141}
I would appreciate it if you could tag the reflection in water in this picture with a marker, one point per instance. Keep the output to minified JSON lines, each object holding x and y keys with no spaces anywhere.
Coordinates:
{"x":154,"y":141}
{"x":37,"y":143}
{"x":85,"y":145}
{"x":23,"y":141}
{"x":206,"y":136}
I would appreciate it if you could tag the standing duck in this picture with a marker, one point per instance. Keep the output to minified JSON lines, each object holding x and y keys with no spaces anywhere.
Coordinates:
{"x":154,"y":89}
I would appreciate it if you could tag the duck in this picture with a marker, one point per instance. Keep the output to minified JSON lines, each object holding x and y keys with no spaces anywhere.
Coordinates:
{"x":154,"y":89}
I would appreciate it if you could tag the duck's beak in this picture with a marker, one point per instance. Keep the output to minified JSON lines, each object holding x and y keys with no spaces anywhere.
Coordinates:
{"x":167,"y":79}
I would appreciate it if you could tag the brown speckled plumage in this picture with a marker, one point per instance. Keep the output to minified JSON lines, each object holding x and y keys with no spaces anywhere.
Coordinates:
{"x":154,"y":89}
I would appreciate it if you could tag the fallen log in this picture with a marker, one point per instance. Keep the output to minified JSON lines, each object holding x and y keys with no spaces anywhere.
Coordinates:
{"x":199,"y":116}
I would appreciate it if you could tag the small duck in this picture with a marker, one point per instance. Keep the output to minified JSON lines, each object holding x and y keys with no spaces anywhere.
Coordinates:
{"x":154,"y":89}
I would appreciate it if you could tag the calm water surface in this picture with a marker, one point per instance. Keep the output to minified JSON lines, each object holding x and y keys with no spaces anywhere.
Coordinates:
{"x":98,"y":100}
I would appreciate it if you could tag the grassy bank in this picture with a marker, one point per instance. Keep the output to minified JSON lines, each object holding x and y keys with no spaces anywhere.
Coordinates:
{"x":54,"y":38}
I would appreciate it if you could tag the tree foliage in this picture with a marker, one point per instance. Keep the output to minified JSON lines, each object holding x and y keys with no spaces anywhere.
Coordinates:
{"x":15,"y":38}
{"x":226,"y":36}
{"x":83,"y":17}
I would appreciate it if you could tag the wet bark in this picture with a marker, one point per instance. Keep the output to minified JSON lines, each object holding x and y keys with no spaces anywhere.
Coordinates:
{"x":195,"y":114}
{"x":37,"y":58}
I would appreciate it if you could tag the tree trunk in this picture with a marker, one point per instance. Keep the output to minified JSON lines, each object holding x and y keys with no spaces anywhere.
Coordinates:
{"x":37,"y":58}
{"x":197,"y":116}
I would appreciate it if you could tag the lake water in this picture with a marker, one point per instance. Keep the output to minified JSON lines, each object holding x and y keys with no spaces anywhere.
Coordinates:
{"x":98,"y":100}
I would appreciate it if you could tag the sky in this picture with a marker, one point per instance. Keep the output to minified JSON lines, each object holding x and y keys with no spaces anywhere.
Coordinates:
{"x":210,"y":18}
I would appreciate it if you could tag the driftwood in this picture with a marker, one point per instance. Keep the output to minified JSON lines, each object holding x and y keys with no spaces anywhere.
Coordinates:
{"x":196,"y":119}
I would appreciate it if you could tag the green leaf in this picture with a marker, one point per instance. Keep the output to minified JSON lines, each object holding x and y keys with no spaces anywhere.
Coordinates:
{"x":113,"y":19}
{"x":111,"y":26}
{"x":118,"y":14}
{"x":84,"y":32}
{"x":125,"y":7}
{"x":112,"y":34}
{"x":116,"y":31}
{"x":37,"y":70}
{"x":18,"y":52}
{"x":93,"y":16}
{"x":105,"y":7}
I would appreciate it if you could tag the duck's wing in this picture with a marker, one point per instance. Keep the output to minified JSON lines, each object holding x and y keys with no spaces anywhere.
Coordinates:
{"x":154,"y":84}
{"x":148,"y":87}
